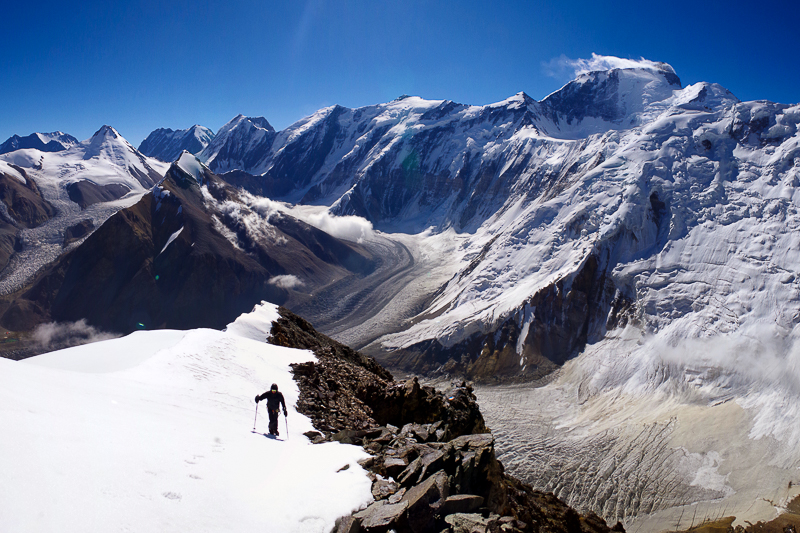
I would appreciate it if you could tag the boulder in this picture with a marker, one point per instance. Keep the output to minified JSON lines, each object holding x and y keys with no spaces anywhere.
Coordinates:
{"x":383,"y":488}
{"x":347,"y":524}
{"x":461,"y":503}
{"x":380,"y":515}
{"x":394,"y":466}
{"x":423,"y":501}
{"x":410,"y":475}
{"x":467,"y":523}
{"x":349,"y":436}
{"x":431,"y":462}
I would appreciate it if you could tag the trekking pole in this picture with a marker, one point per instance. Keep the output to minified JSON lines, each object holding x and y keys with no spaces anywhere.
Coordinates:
{"x":287,"y":426}
{"x":255,"y":418}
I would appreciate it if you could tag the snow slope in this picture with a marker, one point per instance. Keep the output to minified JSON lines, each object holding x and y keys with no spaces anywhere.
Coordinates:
{"x":152,"y":432}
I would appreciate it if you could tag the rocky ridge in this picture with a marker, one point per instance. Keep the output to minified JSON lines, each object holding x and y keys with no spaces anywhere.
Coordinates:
{"x":433,"y":462}
{"x":166,"y":144}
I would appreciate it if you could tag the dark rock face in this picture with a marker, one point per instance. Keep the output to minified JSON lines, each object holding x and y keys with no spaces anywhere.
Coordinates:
{"x":86,"y":193}
{"x":566,"y":315}
{"x":432,"y":463}
{"x":24,"y":201}
{"x":77,"y":231}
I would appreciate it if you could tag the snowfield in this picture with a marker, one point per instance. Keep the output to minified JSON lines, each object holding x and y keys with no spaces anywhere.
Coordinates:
{"x":152,"y":432}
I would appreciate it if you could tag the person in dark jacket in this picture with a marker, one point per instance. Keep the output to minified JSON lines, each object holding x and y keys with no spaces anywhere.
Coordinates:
{"x":274,"y":402}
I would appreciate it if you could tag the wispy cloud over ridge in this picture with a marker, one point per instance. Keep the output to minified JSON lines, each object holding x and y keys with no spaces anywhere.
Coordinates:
{"x":563,"y":66}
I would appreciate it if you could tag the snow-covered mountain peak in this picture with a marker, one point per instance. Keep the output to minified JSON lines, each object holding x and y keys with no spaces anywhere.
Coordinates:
{"x":200,"y":132}
{"x":704,"y":96}
{"x":105,"y":132}
{"x":59,"y":136}
{"x":240,"y":136}
{"x":603,"y":100}
{"x":189,"y":164}
{"x":241,"y":121}
{"x":108,"y":142}
{"x":166,"y":144}
{"x":519,"y":100}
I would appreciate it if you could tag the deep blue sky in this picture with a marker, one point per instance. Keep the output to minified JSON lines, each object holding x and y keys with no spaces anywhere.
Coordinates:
{"x":142,"y":64}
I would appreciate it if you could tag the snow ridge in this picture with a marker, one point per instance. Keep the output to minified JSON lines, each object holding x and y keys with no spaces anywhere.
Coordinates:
{"x":155,"y":430}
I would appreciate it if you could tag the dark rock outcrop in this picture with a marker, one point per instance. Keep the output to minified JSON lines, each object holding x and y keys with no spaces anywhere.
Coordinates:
{"x":563,"y":318}
{"x":346,"y":390}
{"x":24,"y":201}
{"x":432,"y":459}
{"x":78,"y":231}
{"x":86,"y":193}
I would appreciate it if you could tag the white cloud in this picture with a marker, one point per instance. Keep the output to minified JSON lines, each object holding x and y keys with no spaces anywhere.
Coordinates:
{"x":57,"y":335}
{"x":287,"y":281}
{"x":564,"y":66}
{"x":350,"y":228}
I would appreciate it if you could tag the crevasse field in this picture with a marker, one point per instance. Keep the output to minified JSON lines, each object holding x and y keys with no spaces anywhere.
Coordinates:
{"x":152,"y":432}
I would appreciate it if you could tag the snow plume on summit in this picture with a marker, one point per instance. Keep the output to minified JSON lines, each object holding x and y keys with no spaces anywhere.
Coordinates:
{"x":563,"y":66}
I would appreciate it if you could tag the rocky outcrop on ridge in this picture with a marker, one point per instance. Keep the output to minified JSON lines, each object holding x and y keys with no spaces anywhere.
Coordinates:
{"x":433,"y":465}
{"x":346,"y":390}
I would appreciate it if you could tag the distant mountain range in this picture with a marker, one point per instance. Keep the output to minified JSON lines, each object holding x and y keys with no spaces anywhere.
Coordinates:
{"x":44,"y":142}
{"x":166,"y":145}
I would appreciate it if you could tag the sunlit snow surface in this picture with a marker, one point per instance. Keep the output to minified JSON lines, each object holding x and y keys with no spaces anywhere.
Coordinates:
{"x":152,"y":432}
{"x":191,"y":165}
